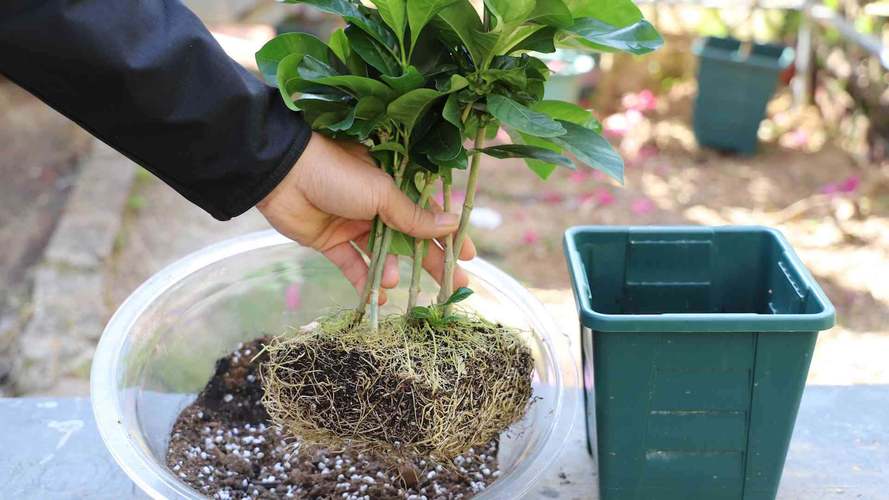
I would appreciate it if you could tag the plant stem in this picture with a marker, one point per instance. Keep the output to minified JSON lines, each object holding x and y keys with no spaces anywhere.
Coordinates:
{"x":377,"y":230}
{"x":447,"y":282}
{"x":378,"y":257}
{"x":417,"y":268}
{"x":471,"y":185}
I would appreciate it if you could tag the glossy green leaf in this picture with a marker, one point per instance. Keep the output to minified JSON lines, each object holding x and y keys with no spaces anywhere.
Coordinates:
{"x":460,"y":162}
{"x":510,"y":11}
{"x":442,"y":144}
{"x":372,"y":52}
{"x":637,"y":38}
{"x":592,"y":149}
{"x":421,"y":313}
{"x":409,"y":80}
{"x":552,"y":13}
{"x":514,"y":37}
{"x":567,"y":111}
{"x":525,"y":151}
{"x":287,"y":72}
{"x":462,"y":20}
{"x":315,"y":71}
{"x":350,"y":12}
{"x":408,"y":108}
{"x":452,"y":112}
{"x":390,"y":146}
{"x":618,"y":13}
{"x":419,"y":12}
{"x":339,"y":44}
{"x":394,"y":14}
{"x":523,"y":119}
{"x":541,"y":40}
{"x":402,"y":244}
{"x":459,"y":295}
{"x":276,"y":49}
{"x":369,"y":108}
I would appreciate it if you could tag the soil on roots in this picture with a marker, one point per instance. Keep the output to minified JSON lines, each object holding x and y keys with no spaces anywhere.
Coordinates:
{"x":409,"y":389}
{"x":224,"y":446}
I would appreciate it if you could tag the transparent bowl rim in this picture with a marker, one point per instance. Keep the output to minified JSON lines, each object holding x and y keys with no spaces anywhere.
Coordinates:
{"x":154,"y":478}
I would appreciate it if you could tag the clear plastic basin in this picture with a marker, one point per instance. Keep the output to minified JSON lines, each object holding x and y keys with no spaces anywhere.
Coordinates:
{"x":159,"y":350}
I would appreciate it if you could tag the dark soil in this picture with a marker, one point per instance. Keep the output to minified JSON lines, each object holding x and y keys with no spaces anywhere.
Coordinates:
{"x":224,"y":446}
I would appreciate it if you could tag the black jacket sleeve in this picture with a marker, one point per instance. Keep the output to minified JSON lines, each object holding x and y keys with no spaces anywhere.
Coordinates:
{"x":147,"y":78}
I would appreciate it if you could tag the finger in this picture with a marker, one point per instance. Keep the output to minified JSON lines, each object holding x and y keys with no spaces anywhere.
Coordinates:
{"x":390,"y":272}
{"x":350,"y":263}
{"x":390,"y":269}
{"x":433,"y":262}
{"x":399,"y":212}
{"x":468,"y":251}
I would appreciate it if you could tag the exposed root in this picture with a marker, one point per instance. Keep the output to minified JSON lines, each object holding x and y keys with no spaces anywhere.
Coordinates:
{"x":406,"y":389}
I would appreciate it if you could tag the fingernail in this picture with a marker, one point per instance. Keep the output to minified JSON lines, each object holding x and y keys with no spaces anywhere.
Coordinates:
{"x":446,"y":219}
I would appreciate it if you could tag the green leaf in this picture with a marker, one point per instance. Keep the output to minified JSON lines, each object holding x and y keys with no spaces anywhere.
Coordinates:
{"x":419,"y":12}
{"x":452,"y":113}
{"x":592,"y":149}
{"x":339,"y":44}
{"x":350,"y":12}
{"x":408,"y":108}
{"x":637,"y":38}
{"x":402,"y":244}
{"x":614,"y":12}
{"x":523,"y":119}
{"x":422,"y":313}
{"x":394,"y":14}
{"x":525,"y":151}
{"x":442,"y":144}
{"x":453,"y":84}
{"x":335,"y":121}
{"x":459,"y":295}
{"x":561,"y":110}
{"x":390,"y":146}
{"x":276,"y":49}
{"x":552,"y":13}
{"x":369,"y":108}
{"x":461,"y":19}
{"x":510,"y":11}
{"x":372,"y":52}
{"x":514,"y":37}
{"x":542,"y":40}
{"x":460,"y":162}
{"x":286,"y":73}
{"x":409,"y":80}
{"x":313,"y":70}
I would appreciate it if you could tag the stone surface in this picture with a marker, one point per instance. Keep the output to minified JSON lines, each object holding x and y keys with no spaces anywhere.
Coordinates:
{"x":85,"y":235}
{"x":839,"y":451}
{"x":67,"y":304}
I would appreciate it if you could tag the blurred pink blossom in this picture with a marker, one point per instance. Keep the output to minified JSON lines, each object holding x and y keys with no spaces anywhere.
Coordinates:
{"x":849,"y":185}
{"x":601,"y":197}
{"x":502,"y":136}
{"x":579,"y":175}
{"x":618,"y":124}
{"x":292,"y":296}
{"x":552,"y":197}
{"x":530,"y":237}
{"x":643,"y":101}
{"x":642,"y":206}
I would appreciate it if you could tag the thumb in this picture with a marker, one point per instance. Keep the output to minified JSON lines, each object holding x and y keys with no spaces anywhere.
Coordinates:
{"x":399,"y":212}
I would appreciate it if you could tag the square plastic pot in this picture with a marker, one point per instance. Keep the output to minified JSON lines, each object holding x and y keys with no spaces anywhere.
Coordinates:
{"x":735,"y":83}
{"x":696,"y":346}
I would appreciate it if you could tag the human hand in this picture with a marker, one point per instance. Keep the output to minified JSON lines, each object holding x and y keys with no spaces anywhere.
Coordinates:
{"x":329,"y":199}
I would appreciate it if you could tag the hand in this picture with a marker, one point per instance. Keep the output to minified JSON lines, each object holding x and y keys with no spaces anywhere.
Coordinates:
{"x":329,"y":199}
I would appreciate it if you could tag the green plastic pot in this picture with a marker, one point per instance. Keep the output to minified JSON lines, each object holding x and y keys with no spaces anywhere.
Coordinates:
{"x":735,"y":83}
{"x":696,"y":346}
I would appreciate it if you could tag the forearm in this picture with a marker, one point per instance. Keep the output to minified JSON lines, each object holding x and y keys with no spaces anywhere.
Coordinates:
{"x":147,"y":78}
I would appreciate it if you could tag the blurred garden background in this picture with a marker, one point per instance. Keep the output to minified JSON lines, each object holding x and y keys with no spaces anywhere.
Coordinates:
{"x":81,"y":227}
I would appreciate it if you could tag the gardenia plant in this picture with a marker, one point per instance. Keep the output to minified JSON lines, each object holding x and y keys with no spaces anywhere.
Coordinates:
{"x":425,"y":84}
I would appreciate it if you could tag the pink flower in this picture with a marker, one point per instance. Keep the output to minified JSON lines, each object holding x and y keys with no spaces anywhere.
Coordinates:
{"x":850,"y":185}
{"x":292,"y":296}
{"x":643,"y":101}
{"x":642,"y":206}
{"x":552,"y":197}
{"x":603,"y":197}
{"x":579,"y":175}
{"x":530,"y":237}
